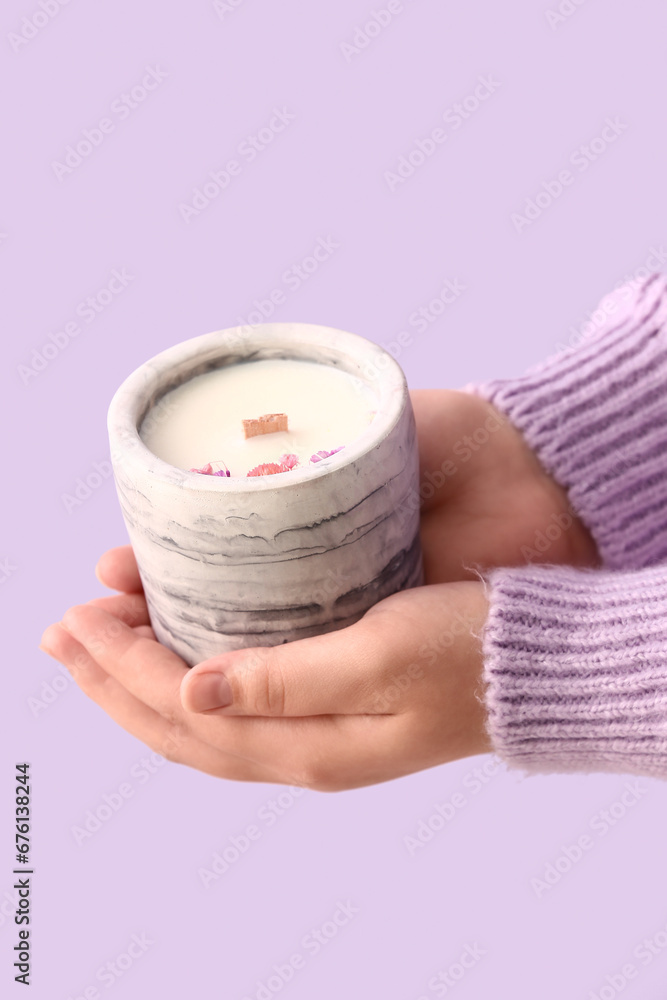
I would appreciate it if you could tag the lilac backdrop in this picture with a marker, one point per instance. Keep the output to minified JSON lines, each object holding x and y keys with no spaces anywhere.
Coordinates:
{"x":346,"y":116}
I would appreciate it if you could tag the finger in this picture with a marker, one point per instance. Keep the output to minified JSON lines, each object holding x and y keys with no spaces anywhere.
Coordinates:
{"x":117,"y":569}
{"x":174,"y":742}
{"x":146,"y":631}
{"x":324,"y":752}
{"x":130,"y":608}
{"x":332,"y":674}
{"x":303,"y":746}
{"x":425,"y":638}
{"x":147,"y":669}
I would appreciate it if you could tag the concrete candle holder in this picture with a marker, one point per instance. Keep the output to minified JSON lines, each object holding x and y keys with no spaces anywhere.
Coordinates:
{"x":228,"y":563}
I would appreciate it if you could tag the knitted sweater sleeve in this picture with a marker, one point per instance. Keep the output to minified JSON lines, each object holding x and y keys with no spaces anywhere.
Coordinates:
{"x":575,"y":661}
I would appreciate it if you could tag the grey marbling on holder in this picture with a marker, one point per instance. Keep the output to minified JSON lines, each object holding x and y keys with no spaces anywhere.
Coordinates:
{"x":228,"y":563}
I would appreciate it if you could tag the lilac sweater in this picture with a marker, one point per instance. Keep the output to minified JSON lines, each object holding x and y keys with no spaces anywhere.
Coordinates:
{"x":575,"y":661}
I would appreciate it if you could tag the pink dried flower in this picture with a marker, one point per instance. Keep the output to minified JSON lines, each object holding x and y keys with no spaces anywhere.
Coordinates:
{"x":207,"y":470}
{"x":318,"y":456}
{"x":268,"y":469}
{"x":289,"y":460}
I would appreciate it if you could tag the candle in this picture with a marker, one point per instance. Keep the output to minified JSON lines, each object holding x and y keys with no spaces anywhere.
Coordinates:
{"x":258,"y":560}
{"x":207,"y":418}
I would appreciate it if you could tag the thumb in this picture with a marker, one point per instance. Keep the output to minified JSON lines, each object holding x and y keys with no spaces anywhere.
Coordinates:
{"x":331,"y":674}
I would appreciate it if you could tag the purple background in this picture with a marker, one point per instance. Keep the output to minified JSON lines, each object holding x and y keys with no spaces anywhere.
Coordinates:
{"x":324,"y":175}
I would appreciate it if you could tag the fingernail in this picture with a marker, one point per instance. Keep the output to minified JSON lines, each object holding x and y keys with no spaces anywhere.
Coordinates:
{"x":44,"y":644}
{"x":209,"y":691}
{"x":69,"y":620}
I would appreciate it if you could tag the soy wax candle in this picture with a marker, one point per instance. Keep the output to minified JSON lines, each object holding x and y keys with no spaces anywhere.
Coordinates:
{"x":323,"y":408}
{"x":236,"y":560}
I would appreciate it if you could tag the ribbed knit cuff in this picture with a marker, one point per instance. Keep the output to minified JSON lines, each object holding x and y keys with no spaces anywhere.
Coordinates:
{"x":596,"y":417}
{"x":575,"y":667}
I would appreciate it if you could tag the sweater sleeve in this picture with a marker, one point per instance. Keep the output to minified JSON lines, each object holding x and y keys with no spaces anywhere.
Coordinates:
{"x":575,"y":669}
{"x":596,"y":417}
{"x":575,"y":661}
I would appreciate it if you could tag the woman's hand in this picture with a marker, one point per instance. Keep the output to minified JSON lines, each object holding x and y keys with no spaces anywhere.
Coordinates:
{"x":396,"y":692}
{"x":487,"y":500}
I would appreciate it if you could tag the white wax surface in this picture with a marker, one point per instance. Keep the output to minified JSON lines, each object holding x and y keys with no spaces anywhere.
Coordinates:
{"x":200,"y":421}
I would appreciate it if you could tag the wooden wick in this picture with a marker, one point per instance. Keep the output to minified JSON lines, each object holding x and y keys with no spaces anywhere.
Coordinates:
{"x":268,"y":423}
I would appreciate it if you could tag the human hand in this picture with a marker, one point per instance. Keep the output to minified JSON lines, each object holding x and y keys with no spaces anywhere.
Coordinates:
{"x":396,"y":692}
{"x":487,"y":500}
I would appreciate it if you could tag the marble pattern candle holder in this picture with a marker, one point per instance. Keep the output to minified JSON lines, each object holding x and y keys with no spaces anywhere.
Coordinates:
{"x":228,"y":563}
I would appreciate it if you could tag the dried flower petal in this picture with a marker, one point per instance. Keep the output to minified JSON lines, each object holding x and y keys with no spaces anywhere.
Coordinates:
{"x":289,"y":460}
{"x":268,"y":469}
{"x":207,"y":470}
{"x":318,"y":456}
